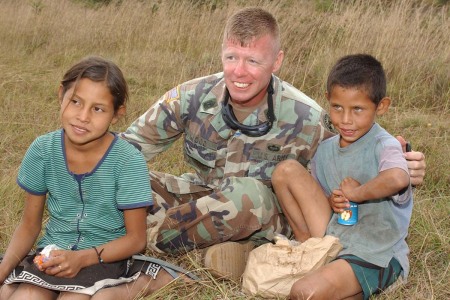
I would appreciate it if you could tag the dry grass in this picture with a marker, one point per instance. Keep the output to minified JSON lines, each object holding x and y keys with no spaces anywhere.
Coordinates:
{"x":161,"y":43}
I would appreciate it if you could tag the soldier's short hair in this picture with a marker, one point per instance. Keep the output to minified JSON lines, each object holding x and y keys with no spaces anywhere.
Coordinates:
{"x":251,"y":23}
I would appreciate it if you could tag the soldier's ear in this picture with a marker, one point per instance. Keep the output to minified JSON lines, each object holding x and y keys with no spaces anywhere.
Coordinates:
{"x":278,"y":61}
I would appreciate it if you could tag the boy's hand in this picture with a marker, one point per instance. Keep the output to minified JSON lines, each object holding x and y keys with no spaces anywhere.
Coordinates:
{"x":338,"y":202}
{"x":349,"y":188}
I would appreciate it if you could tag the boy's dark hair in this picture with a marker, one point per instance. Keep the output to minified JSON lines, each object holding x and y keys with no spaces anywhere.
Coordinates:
{"x":99,"y":70}
{"x":359,"y":71}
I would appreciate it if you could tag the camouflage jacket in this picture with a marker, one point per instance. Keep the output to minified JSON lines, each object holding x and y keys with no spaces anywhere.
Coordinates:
{"x":193,"y":110}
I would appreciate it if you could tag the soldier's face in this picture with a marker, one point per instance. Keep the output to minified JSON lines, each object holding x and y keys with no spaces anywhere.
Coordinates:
{"x":248,"y":69}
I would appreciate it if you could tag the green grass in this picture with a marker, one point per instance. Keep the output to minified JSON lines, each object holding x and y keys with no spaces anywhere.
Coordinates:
{"x":159,"y":44}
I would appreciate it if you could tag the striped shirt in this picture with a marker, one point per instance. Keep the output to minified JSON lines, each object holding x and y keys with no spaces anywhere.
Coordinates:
{"x":85,"y":210}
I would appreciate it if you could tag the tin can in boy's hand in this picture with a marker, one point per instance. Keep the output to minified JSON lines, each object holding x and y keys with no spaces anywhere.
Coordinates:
{"x":350,"y":215}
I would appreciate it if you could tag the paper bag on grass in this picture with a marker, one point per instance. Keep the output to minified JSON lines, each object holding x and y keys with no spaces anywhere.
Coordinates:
{"x":272,"y":269}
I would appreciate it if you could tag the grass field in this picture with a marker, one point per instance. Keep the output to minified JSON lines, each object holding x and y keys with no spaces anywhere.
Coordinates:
{"x":159,"y":44}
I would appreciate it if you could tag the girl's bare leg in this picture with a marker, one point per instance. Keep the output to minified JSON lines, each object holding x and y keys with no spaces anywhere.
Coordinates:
{"x":7,"y":290}
{"x":29,"y":291}
{"x":73,"y":296}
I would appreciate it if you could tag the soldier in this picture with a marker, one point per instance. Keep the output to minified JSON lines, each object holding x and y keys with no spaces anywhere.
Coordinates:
{"x":237,"y":125}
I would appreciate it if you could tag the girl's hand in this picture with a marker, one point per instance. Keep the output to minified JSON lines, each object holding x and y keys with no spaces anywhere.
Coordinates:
{"x":63,"y":263}
{"x":337,"y":201}
{"x":349,"y":188}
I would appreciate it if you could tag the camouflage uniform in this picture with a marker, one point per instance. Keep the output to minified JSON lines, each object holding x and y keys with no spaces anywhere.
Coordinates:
{"x":230,"y":197}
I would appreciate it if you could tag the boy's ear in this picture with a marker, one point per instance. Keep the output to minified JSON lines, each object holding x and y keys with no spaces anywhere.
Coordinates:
{"x":383,"y":106}
{"x":119,"y":114}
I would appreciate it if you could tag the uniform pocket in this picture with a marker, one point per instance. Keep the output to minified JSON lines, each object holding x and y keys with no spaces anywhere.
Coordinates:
{"x":200,"y":152}
{"x":263,"y":163}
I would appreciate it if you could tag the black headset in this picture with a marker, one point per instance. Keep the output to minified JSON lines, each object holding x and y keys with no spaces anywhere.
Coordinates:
{"x":255,"y":130}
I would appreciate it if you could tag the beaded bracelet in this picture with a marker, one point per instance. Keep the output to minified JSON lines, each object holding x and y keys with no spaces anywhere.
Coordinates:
{"x":99,"y":254}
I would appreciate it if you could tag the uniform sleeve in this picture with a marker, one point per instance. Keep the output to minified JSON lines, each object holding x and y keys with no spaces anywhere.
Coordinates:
{"x":324,"y":131}
{"x":391,"y":156}
{"x":134,"y":189}
{"x":157,"y":129}
{"x":32,"y":170}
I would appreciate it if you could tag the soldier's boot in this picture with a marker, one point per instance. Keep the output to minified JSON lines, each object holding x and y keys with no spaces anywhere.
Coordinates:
{"x":228,"y":259}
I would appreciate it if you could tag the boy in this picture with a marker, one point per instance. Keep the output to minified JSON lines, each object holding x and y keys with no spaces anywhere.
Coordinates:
{"x":363,"y":164}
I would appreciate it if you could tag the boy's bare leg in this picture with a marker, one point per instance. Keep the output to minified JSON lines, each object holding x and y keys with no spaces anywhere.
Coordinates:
{"x":302,"y":200}
{"x":335,"y":280}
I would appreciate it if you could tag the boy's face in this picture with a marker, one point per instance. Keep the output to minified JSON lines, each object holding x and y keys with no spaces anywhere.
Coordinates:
{"x":353,"y":113}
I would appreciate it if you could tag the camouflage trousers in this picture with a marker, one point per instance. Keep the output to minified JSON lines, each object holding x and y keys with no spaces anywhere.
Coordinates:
{"x":196,"y":216}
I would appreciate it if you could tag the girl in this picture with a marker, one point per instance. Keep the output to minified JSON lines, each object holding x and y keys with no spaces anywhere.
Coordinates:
{"x":97,"y":191}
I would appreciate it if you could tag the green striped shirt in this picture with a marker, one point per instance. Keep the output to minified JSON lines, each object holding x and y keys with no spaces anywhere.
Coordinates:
{"x":85,"y":210}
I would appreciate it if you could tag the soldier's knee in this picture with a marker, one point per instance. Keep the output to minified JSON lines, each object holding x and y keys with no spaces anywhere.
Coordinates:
{"x":236,"y":186}
{"x":247,"y":192}
{"x":244,"y":182}
{"x":179,"y":244}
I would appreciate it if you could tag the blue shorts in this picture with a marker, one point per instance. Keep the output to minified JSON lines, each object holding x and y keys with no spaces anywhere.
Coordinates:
{"x":372,"y":278}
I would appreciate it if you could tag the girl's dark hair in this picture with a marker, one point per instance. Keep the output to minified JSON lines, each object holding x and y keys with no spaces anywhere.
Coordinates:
{"x":359,"y":71}
{"x":99,"y":70}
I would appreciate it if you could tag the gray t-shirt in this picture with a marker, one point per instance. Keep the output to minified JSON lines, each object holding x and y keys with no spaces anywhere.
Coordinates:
{"x":383,"y":224}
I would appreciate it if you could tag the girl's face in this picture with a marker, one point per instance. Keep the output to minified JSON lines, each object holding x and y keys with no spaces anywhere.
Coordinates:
{"x":87,"y":114}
